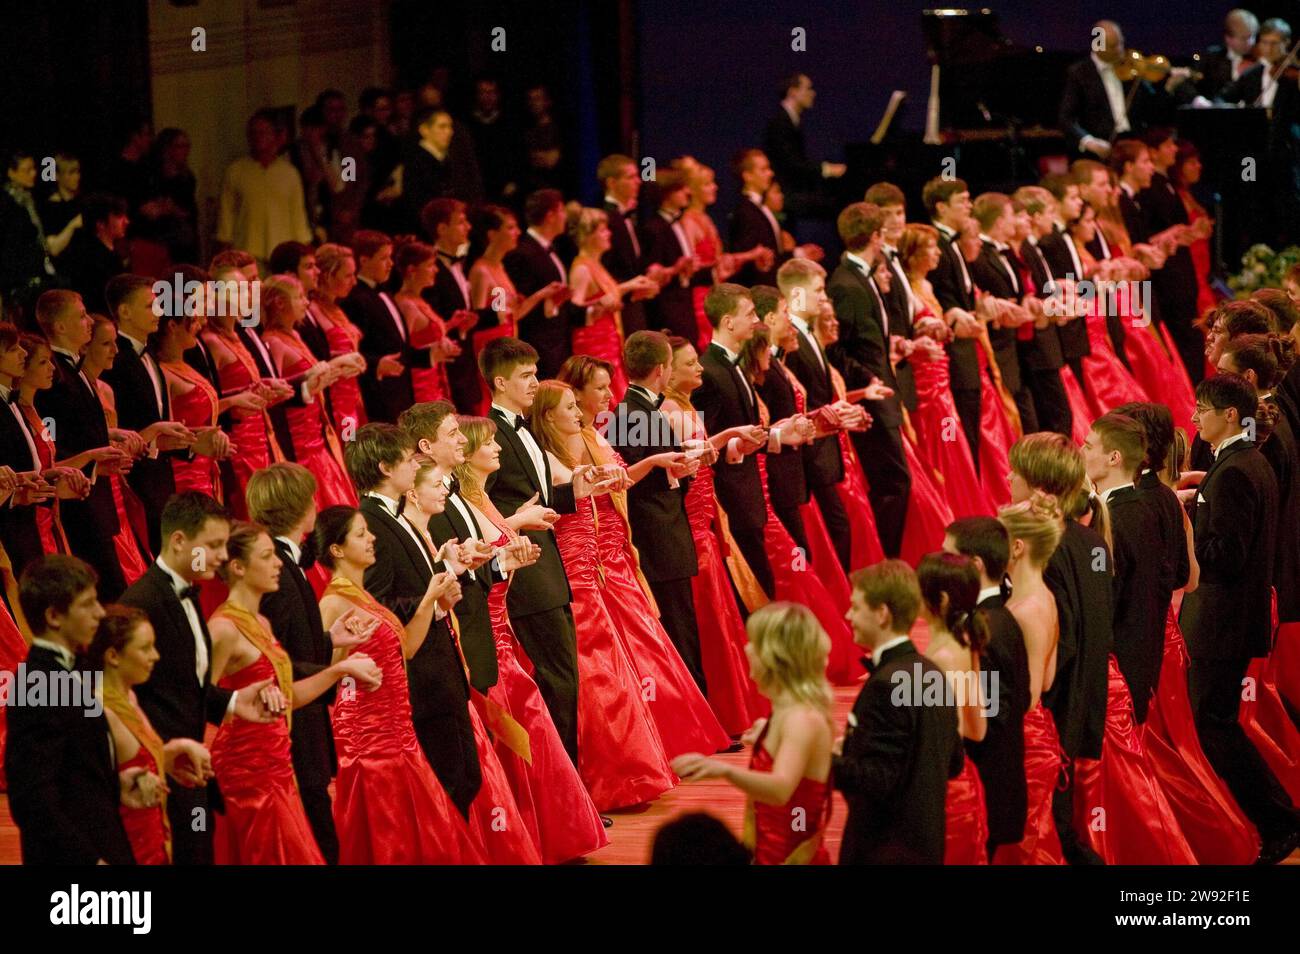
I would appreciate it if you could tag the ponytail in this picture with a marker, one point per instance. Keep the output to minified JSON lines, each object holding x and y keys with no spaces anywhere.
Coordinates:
{"x":971,"y":629}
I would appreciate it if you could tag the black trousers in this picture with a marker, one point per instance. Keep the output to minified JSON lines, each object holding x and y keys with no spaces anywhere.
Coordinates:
{"x":1050,"y":402}
{"x":836,"y":519}
{"x":1214,"y":686}
{"x":448,"y":743}
{"x":889,"y":482}
{"x":1024,"y":399}
{"x":676,"y":599}
{"x":1076,"y":368}
{"x":551,"y":644}
{"x":312,"y":748}
{"x":968,"y":409}
{"x":97,"y":548}
{"x":192,"y":824}
{"x":792,"y":519}
{"x":750,"y":541}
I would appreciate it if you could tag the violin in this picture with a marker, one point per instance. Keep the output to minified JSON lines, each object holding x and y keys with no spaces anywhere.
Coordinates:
{"x":1152,"y":69}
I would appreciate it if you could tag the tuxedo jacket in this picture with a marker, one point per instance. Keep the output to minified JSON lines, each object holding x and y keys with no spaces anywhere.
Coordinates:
{"x":656,"y":510}
{"x":1042,"y":352}
{"x":278,"y":413}
{"x":899,"y":305}
{"x":989,"y":273}
{"x":1000,"y":755}
{"x":895,"y":766}
{"x":1141,"y":599}
{"x":176,"y":702}
{"x":446,"y":298}
{"x":750,"y":229}
{"x":784,"y":144}
{"x":673,"y":308}
{"x":1079,"y":575}
{"x":624,"y":261}
{"x":399,"y":578}
{"x":1280,"y":452}
{"x":472,"y":615}
{"x":863,"y":349}
{"x":544,"y":585}
{"x":531,"y":268}
{"x":1234,"y":526}
{"x":63,"y":784}
{"x":380,"y":336}
{"x":951,"y":291}
{"x":785,"y":468}
{"x":1174,"y":283}
{"x":137,"y":408}
{"x":19,"y":530}
{"x":1085,"y":108}
{"x":723,"y":402}
{"x":1172,"y":540}
{"x":1073,"y":335}
{"x":822,"y":460}
{"x":1216,"y":71}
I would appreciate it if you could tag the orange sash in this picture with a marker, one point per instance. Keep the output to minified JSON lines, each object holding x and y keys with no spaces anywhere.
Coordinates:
{"x":251,"y":628}
{"x":137,"y":723}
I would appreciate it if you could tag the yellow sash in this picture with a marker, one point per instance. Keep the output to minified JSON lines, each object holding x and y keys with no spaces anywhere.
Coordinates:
{"x":138,"y":725}
{"x":252,"y":630}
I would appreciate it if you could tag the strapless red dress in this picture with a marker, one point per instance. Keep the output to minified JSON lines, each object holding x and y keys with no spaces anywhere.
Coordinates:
{"x":928,"y":513}
{"x":13,"y":650}
{"x":389,"y":807}
{"x":793,"y":833}
{"x":144,"y":826}
{"x":1043,"y":761}
{"x":997,"y":434}
{"x":1206,"y":811}
{"x":681,"y":713}
{"x":620,"y":756}
{"x":345,"y":393}
{"x":251,"y":434}
{"x":602,"y":339}
{"x":196,"y":408}
{"x":1109,"y":383}
{"x":494,"y":817}
{"x":941,"y":442}
{"x":865,"y":547}
{"x":1120,"y":808}
{"x":1080,"y":411}
{"x":1160,"y":372}
{"x":966,"y":820}
{"x":429,"y":384}
{"x":264,"y":822}
{"x":550,"y":794}
{"x":313,"y":444}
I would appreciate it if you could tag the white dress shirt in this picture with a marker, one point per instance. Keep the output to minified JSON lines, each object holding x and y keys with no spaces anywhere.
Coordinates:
{"x":1241,"y":436}
{"x":390,"y":505}
{"x":179,"y":583}
{"x":802,"y":326}
{"x":23,"y":426}
{"x":535,"y":452}
{"x":623,"y":210}
{"x":986,"y":593}
{"x":951,"y":234}
{"x":1114,"y":95}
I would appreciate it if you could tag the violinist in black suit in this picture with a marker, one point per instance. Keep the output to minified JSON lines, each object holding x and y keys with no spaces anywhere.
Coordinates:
{"x":753,"y":224}
{"x":1000,"y":755}
{"x":381,"y":462}
{"x":60,"y":761}
{"x":281,"y":498}
{"x":803,"y":178}
{"x":894,"y":761}
{"x":1227,"y":619}
{"x":670,"y":259}
{"x":863,"y":356}
{"x":179,"y":698}
{"x":1220,"y":64}
{"x":533,"y":266}
{"x":618,"y":175}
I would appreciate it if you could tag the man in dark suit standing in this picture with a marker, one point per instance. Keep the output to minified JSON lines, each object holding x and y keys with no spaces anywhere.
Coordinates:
{"x":533,"y":266}
{"x":1040,"y":352}
{"x":1000,"y":755}
{"x":19,"y":531}
{"x":1222,"y":63}
{"x":447,"y":226}
{"x":894,"y":761}
{"x":64,"y":787}
{"x":385,"y":342}
{"x":863,"y":356}
{"x":618,"y":176}
{"x":1064,"y":264}
{"x":381,"y":462}
{"x":1227,"y":619}
{"x":427,"y":160}
{"x":179,"y":697}
{"x":670,"y":259}
{"x":656,"y":503}
{"x":804,"y":179}
{"x":899,"y":301}
{"x":753,"y":224}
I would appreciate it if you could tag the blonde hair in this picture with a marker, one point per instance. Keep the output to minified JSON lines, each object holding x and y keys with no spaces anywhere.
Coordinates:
{"x":584,"y":222}
{"x":279,"y":495}
{"x":1038,"y":522}
{"x":1051,"y":463}
{"x":330,"y":258}
{"x":478,"y":431}
{"x":549,"y":395}
{"x":790,"y":654}
{"x":277,"y":299}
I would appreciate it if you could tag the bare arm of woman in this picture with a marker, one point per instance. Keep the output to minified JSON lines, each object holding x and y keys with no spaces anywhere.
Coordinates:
{"x":480,"y":287}
{"x":805,"y":738}
{"x":1194,"y":571}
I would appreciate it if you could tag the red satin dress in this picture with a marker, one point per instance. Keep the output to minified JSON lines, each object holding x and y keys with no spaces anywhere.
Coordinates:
{"x":13,"y":650}
{"x":681,"y":713}
{"x":315,"y":445}
{"x":389,"y":807}
{"x":1080,"y":411}
{"x":48,"y":521}
{"x":1268,"y":725}
{"x":195,"y":408}
{"x":1206,"y":811}
{"x":792,"y":833}
{"x":620,"y":756}
{"x":706,"y":252}
{"x":252,"y":434}
{"x":132,"y":540}
{"x":1156,"y":363}
{"x":865,"y":548}
{"x":264,"y":822}
{"x":732,"y":694}
{"x":494,"y":816}
{"x":928,"y":513}
{"x":144,"y":826}
{"x":1109,"y":383}
{"x":345,"y":393}
{"x":941,"y":442}
{"x":547,"y":788}
{"x":998,"y":431}
{"x":603,"y":336}
{"x":1120,"y":808}
{"x":1200,"y":251}
{"x":1043,"y":761}
{"x":429,"y":384}
{"x":966,"y":821}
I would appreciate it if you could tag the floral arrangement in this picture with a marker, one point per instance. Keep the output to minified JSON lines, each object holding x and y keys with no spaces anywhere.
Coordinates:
{"x":1261,"y":267}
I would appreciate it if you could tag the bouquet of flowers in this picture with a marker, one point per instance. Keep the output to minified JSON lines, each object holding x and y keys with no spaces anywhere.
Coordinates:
{"x":1261,"y":267}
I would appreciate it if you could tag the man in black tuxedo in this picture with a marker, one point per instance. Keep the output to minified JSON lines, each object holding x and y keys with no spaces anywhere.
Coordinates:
{"x":1222,"y":63}
{"x":803,"y":178}
{"x":947,"y":202}
{"x":726,"y":399}
{"x":381,"y":462}
{"x":618,"y":176}
{"x":79,"y":427}
{"x":670,"y":260}
{"x":803,"y":284}
{"x":60,"y":761}
{"x":656,"y":504}
{"x":1041,"y":354}
{"x":446,"y":225}
{"x":1063,"y":262}
{"x":538,"y":600}
{"x":385,"y":341}
{"x":533,"y":266}
{"x":299,"y":260}
{"x":281,"y":498}
{"x":899,"y":301}
{"x":179,"y":697}
{"x":863,"y":356}
{"x":1227,"y":619}
{"x":1000,"y":755}
{"x":753,"y":224}
{"x":894,"y":761}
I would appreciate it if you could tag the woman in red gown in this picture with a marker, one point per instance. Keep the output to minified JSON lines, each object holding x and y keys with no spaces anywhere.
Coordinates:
{"x":1184,"y":174}
{"x":13,"y":644}
{"x":38,"y":375}
{"x":1034,"y":527}
{"x":621,"y":757}
{"x":416,"y":265}
{"x":788,"y":781}
{"x":315,"y":444}
{"x":681,"y":713}
{"x":123,"y":649}
{"x":194,"y":401}
{"x":263,"y":821}
{"x":132,"y":540}
{"x":389,"y":807}
{"x":959,"y":632}
{"x":547,"y":787}
{"x":338,"y":276}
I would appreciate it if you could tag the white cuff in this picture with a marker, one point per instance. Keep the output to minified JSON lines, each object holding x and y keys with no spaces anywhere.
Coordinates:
{"x":734,"y":456}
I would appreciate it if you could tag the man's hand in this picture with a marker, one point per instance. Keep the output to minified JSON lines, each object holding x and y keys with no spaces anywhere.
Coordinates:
{"x":129,"y":441}
{"x":188,"y":761}
{"x":259,"y":702}
{"x":213,"y":442}
{"x":68,"y":482}
{"x":518,"y":553}
{"x":352,"y":629}
{"x":363,"y":669}
{"x":388,"y":367}
{"x":535,"y":516}
{"x":138,"y":788}
{"x":751,"y":438}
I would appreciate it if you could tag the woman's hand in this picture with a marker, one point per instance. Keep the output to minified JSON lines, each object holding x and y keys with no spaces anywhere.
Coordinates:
{"x":694,"y":767}
{"x":363,"y":669}
{"x":353,"y":628}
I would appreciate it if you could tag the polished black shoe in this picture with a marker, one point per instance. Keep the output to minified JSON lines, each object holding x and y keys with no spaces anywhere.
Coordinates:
{"x":607,"y":821}
{"x":1277,"y":850}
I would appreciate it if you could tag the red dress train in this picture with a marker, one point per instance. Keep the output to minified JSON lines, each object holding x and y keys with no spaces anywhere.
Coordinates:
{"x":941,"y":442}
{"x":928,"y":513}
{"x":1043,"y":761}
{"x":966,"y":823}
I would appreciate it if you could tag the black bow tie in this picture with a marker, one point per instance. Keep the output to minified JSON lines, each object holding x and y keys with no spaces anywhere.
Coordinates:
{"x":190,"y":593}
{"x":401,"y":505}
{"x":453,"y":484}
{"x":520,"y":422}
{"x":659,"y":402}
{"x":13,"y":397}
{"x":451,"y":259}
